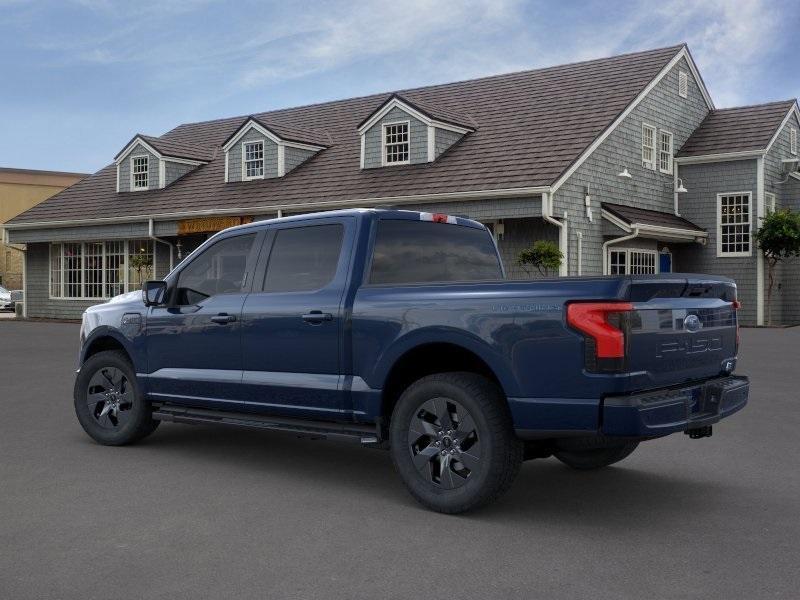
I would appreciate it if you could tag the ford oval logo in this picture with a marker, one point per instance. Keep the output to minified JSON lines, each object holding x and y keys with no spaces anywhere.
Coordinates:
{"x":692,"y":323}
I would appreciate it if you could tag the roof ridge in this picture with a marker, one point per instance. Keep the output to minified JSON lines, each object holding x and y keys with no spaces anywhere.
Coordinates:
{"x":438,"y":85}
{"x":758,"y":105}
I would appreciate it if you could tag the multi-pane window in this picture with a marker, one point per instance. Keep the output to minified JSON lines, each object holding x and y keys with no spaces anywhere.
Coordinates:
{"x":648,"y":146}
{"x":96,"y":270}
{"x":733,"y":233}
{"x":139,"y":172}
{"x":683,"y":84}
{"x":253,"y":160}
{"x":629,"y":261}
{"x":770,"y":201}
{"x":395,"y":143}
{"x":665,"y":152}
{"x":792,"y":140}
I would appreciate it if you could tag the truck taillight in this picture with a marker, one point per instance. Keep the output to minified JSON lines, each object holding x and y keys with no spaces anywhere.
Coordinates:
{"x":603,"y":324}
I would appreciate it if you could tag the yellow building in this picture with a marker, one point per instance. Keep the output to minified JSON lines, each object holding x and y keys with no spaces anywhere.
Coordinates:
{"x":21,"y":189}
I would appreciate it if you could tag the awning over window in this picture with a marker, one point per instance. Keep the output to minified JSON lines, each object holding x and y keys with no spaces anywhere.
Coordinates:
{"x":652,"y":223}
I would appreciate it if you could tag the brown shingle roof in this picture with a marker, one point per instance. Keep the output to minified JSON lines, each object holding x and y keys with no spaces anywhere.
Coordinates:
{"x":737,"y":129}
{"x":437,"y":113}
{"x":631,"y":215}
{"x":174,"y":149}
{"x":530,"y":127}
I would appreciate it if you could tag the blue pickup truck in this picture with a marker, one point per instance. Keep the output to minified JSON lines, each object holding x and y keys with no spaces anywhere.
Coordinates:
{"x":397,"y":329}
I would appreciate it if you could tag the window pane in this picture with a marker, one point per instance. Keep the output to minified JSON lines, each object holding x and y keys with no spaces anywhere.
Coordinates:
{"x":254,"y":159}
{"x":115,"y":268}
{"x":93,"y":270}
{"x":73,"y":267}
{"x":140,"y":263}
{"x":55,"y":270}
{"x":220,"y":269}
{"x":304,"y":258}
{"x":734,"y":219}
{"x":420,"y":251}
{"x":396,"y":139}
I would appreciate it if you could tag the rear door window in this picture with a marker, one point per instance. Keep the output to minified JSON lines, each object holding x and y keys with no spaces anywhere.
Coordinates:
{"x":425,"y":252}
{"x":304,"y":258}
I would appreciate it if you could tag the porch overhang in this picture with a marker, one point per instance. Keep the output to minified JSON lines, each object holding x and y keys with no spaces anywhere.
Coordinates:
{"x":653,"y":224}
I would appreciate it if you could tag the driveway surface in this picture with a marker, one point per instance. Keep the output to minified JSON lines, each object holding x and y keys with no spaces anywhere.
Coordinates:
{"x":200,"y":512}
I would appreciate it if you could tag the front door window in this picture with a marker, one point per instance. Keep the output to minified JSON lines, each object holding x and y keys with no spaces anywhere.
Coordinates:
{"x":632,"y":261}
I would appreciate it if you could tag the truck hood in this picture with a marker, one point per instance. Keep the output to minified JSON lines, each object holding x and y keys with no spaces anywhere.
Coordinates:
{"x":132,"y":300}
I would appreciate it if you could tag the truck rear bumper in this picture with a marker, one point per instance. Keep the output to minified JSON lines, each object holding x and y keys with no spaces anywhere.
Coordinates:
{"x":648,"y":414}
{"x":660,"y":412}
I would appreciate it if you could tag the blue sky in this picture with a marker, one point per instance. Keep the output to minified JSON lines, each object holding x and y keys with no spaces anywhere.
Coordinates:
{"x":79,"y":78}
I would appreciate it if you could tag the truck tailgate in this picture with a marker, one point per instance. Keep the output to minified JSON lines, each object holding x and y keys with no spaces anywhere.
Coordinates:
{"x":683,"y":328}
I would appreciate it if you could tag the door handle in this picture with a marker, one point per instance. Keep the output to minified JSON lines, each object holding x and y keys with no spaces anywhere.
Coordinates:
{"x":223,"y":318}
{"x":315,"y":317}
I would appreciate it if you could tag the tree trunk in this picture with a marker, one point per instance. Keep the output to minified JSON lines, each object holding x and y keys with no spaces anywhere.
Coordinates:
{"x":770,"y":273}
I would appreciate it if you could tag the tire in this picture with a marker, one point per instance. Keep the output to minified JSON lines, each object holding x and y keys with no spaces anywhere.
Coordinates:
{"x":595,"y":458}
{"x":108,"y":403}
{"x":481,"y":457}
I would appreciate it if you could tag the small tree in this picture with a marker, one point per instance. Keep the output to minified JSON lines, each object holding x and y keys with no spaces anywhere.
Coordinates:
{"x":141,"y":263}
{"x":778,"y":236}
{"x":544,"y":255}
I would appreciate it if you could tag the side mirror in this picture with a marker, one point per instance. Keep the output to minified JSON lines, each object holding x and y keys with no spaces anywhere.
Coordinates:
{"x":154,"y":293}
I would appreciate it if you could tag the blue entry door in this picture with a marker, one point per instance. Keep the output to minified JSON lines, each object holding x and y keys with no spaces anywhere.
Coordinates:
{"x":665,"y":262}
{"x":292,"y":320}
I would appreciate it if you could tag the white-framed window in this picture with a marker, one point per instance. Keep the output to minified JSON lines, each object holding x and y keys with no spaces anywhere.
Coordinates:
{"x":683,"y":84}
{"x":734,"y":218}
{"x":253,"y":160}
{"x":665,"y":152}
{"x":769,"y":197}
{"x":632,"y":261}
{"x":140,"y":172}
{"x":792,"y":140}
{"x":648,"y":146}
{"x":396,"y":144}
{"x":99,"y":270}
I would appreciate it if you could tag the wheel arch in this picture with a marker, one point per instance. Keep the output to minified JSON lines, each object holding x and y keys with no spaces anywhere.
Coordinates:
{"x":428,"y":357}
{"x":102,"y":339}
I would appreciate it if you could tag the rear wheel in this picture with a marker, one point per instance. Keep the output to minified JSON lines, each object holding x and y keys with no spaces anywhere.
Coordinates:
{"x":108,"y":403}
{"x":452,"y":442}
{"x":586,"y":459}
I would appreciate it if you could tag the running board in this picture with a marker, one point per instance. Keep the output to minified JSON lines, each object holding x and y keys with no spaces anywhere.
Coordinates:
{"x":350,"y":432}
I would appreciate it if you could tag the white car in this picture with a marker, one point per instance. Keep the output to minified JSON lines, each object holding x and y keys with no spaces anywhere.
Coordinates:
{"x":5,"y":299}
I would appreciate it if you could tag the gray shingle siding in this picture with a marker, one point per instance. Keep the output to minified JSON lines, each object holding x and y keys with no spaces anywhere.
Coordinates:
{"x":125,"y":169}
{"x":443,"y":140}
{"x":270,"y":156}
{"x":699,"y":205}
{"x":174,"y":171}
{"x":294,"y":157}
{"x":786,"y":289}
{"x":485,"y":210}
{"x":520,"y":234}
{"x":120,"y":231}
{"x":649,"y":189}
{"x":37,"y":288}
{"x":418,"y":139}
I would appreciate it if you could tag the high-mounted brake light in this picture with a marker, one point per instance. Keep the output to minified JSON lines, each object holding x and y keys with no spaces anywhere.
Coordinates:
{"x":592,"y":319}
{"x":438,"y":218}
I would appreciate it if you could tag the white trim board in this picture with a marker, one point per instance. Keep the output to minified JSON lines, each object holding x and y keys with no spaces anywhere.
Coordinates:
{"x":722,"y":157}
{"x":683,"y":53}
{"x":269,"y":209}
{"x":252,"y":124}
{"x":792,"y":111}
{"x":397,"y":103}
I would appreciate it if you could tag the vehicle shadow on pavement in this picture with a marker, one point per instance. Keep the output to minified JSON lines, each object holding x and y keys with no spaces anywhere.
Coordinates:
{"x":623,"y":495}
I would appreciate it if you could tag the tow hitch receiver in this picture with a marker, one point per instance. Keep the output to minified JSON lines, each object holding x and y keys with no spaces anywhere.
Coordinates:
{"x":699,"y":432}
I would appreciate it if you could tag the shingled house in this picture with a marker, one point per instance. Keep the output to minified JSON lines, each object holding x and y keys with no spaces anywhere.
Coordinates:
{"x":623,"y":161}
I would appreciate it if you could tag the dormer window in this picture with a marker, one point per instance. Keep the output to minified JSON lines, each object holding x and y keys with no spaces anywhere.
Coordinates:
{"x":140,"y":172}
{"x":395,"y":143}
{"x":253,"y":160}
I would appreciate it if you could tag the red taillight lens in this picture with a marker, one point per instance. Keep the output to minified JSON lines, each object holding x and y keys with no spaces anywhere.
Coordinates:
{"x":592,"y":319}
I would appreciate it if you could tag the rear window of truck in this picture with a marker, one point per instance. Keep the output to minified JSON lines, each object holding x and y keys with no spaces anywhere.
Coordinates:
{"x":425,"y":252}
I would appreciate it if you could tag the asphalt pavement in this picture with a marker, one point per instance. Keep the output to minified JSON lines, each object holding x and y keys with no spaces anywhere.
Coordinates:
{"x":201,"y":512}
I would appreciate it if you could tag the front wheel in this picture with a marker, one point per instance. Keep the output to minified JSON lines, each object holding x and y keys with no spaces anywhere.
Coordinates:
{"x":108,"y":404}
{"x":452,"y":442}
